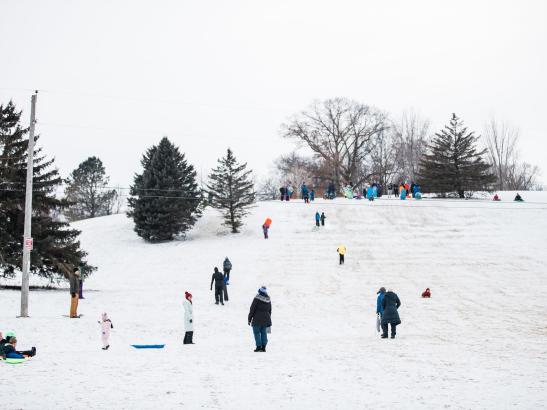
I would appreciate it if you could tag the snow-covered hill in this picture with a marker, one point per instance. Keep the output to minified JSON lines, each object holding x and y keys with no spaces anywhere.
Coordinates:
{"x":479,"y":342}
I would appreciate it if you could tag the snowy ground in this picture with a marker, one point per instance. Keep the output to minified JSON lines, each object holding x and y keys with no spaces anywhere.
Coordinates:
{"x":479,"y":342}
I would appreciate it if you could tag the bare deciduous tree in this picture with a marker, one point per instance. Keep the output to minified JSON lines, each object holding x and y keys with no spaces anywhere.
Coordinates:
{"x":341,"y":132}
{"x":384,"y":164}
{"x":411,"y":138}
{"x":501,"y":141}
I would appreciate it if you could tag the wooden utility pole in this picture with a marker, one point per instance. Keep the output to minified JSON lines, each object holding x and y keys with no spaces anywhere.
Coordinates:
{"x":27,"y":238}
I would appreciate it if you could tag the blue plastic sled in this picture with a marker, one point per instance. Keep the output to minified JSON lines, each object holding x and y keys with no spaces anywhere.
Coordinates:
{"x":148,"y":346}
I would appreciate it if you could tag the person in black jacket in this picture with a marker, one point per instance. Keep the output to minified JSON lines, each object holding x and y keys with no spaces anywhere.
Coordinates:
{"x":390,"y":304}
{"x":218,"y":279}
{"x":260,"y":317}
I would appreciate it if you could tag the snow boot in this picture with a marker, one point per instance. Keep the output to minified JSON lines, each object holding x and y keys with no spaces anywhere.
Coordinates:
{"x":263,"y":349}
{"x":258,"y":349}
{"x":384,"y":336}
{"x":392,"y":336}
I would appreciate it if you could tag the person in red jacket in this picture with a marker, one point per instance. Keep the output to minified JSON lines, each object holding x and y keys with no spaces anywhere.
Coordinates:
{"x":426,"y":293}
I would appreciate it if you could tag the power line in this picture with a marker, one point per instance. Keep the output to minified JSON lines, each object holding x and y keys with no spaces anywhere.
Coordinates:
{"x":148,"y":99}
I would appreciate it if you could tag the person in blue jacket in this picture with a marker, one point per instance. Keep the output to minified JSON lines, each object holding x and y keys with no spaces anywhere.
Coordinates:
{"x":370,"y":193}
{"x":312,"y":195}
{"x":317,"y":219}
{"x":379,"y":309}
{"x":305,"y":193}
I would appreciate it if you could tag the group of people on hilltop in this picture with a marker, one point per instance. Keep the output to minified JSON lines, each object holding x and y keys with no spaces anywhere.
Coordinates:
{"x":306,"y":193}
{"x":405,"y":190}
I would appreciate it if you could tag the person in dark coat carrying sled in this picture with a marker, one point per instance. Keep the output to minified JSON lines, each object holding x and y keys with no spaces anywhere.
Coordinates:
{"x":390,"y":304}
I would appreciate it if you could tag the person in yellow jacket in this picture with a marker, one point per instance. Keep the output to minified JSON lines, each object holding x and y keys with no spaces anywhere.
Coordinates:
{"x":341,"y":252}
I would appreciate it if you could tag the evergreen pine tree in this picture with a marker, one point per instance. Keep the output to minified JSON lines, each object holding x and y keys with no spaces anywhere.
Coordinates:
{"x":165,"y":198}
{"x":453,"y":163}
{"x":231,"y":190}
{"x":87,"y":191}
{"x":55,"y":244}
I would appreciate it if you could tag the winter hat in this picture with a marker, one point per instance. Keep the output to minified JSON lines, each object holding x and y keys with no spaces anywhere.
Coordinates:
{"x":263,"y":291}
{"x":381,"y":290}
{"x":216,"y":269}
{"x":187,"y":295}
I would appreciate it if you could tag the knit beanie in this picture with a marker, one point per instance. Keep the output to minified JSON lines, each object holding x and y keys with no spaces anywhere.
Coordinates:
{"x":263,"y":291}
{"x":187,"y":295}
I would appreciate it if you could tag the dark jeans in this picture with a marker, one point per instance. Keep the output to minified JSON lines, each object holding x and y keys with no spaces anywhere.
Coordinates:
{"x":316,"y":223}
{"x":261,"y":335}
{"x":219,"y":294}
{"x":188,"y":338}
{"x":227,"y":274}
{"x":393,"y":329}
{"x":341,"y":259}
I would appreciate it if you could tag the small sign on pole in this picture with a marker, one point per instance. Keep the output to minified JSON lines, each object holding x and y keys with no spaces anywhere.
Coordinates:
{"x":28,"y":244}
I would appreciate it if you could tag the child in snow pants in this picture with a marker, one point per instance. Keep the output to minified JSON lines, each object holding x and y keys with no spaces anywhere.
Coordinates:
{"x":106,"y":325}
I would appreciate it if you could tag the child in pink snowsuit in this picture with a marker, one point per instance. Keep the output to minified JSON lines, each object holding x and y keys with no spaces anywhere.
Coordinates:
{"x":106,"y":325}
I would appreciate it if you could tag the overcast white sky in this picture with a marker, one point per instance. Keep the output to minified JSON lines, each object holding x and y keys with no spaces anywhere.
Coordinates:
{"x":116,"y":76}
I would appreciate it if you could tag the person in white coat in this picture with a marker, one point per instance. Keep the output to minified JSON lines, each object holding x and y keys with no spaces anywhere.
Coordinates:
{"x":106,"y":325}
{"x":188,"y":319}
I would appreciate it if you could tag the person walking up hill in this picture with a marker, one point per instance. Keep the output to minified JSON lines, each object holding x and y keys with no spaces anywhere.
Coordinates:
{"x":260,"y":318}
{"x":227,"y":267}
{"x":218,"y":280}
{"x":341,"y":252}
{"x":390,"y":304}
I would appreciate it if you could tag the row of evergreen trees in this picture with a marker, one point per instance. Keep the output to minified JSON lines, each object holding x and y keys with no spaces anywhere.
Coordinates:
{"x":166,"y":201}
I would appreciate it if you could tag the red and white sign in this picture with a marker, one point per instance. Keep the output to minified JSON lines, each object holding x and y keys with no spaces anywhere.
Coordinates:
{"x":28,"y":244}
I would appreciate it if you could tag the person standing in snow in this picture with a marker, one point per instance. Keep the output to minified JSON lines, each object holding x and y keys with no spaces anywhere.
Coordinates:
{"x":312,"y":195}
{"x":305,"y":193}
{"x":218,"y":279}
{"x":74,"y":280}
{"x":390,"y":305}
{"x":106,"y":325}
{"x":323,"y":217}
{"x":265,"y":230}
{"x":379,"y":309}
{"x":227,"y":267}
{"x":317,"y":219}
{"x":341,"y":252}
{"x":188,"y":319}
{"x":289,"y":191}
{"x":260,"y":318}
